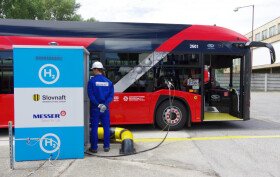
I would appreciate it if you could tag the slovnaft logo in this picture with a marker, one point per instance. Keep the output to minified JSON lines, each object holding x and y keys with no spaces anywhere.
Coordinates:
{"x":36,"y":97}
{"x":49,"y":98}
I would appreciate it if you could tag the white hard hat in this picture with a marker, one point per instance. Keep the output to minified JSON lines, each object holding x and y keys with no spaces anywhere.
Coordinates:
{"x":97,"y":65}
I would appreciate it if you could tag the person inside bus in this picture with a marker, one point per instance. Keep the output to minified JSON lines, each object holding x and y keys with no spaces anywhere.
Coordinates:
{"x":100,"y":93}
{"x":191,"y":82}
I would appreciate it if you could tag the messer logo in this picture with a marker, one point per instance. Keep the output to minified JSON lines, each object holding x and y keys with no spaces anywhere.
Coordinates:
{"x":50,"y":115}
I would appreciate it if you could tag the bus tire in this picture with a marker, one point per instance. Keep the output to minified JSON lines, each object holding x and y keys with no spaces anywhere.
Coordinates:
{"x":177,"y":118}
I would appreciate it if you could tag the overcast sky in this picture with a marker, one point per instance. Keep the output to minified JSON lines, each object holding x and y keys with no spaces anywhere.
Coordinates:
{"x":207,"y":12}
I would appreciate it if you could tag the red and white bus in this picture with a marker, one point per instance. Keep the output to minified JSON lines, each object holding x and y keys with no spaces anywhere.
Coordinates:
{"x":208,"y":66}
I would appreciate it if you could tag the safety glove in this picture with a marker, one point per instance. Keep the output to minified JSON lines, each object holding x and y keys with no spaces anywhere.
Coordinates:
{"x":102,"y":107}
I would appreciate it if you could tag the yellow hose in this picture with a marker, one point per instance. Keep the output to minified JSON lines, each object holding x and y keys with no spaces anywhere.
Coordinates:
{"x":118,"y":132}
{"x":120,"y":135}
{"x":126,"y":135}
{"x":100,"y":133}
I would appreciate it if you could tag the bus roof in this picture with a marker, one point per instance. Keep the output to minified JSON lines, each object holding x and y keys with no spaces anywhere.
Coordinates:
{"x":163,"y":36}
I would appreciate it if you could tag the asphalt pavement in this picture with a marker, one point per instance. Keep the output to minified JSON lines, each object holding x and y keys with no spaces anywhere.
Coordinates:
{"x":265,"y":106}
{"x":242,"y":148}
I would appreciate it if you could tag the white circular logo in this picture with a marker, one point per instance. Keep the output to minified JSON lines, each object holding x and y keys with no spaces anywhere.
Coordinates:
{"x":210,"y":45}
{"x":50,"y":143}
{"x":125,"y":98}
{"x":49,"y":74}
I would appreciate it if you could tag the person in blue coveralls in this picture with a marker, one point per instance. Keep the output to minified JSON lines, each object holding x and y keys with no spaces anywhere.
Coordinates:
{"x":100,"y":93}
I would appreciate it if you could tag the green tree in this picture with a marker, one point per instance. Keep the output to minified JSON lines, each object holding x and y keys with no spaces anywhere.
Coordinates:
{"x":40,"y":9}
{"x":92,"y":19}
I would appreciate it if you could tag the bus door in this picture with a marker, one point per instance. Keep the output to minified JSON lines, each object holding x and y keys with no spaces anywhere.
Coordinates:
{"x":223,"y":92}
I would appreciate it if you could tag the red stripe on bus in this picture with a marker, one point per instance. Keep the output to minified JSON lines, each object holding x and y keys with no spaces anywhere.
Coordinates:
{"x":39,"y":40}
{"x":5,"y":43}
{"x":201,"y":33}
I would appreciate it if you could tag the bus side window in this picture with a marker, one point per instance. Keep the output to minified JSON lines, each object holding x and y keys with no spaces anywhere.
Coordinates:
{"x":119,"y":65}
{"x":6,"y":73}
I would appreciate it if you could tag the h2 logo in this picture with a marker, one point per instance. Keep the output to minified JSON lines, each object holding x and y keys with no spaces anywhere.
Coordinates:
{"x":50,"y":143}
{"x":49,"y":74}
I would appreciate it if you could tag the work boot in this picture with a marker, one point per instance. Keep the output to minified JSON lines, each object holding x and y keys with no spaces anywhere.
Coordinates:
{"x":106,"y":149}
{"x":92,"y":150}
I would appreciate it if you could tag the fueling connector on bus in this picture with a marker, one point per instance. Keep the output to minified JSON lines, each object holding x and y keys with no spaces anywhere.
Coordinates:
{"x":168,"y":84}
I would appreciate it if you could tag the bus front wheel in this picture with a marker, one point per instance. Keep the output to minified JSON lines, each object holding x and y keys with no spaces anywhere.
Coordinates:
{"x":172,"y":114}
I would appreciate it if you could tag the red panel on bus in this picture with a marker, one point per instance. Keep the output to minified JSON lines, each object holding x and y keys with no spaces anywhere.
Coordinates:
{"x":6,"y":109}
{"x":35,"y":40}
{"x":139,"y":108}
{"x":131,"y":108}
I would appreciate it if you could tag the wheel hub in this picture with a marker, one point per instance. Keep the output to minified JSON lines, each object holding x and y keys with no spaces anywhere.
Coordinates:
{"x":172,"y":116}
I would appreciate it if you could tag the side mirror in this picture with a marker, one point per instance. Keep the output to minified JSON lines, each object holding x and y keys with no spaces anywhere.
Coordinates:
{"x":262,"y":44}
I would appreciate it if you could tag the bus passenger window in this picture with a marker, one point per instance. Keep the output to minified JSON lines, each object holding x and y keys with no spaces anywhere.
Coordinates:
{"x":186,"y":59}
{"x":182,"y":69}
{"x":6,"y":73}
{"x":122,"y":59}
{"x":119,"y":66}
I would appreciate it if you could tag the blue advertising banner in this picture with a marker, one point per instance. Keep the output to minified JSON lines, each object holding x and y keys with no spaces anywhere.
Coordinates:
{"x":49,"y":102}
